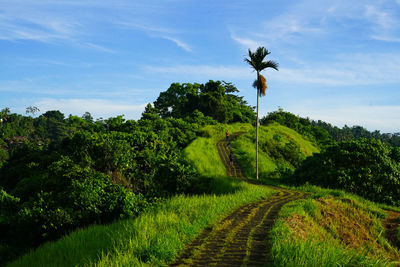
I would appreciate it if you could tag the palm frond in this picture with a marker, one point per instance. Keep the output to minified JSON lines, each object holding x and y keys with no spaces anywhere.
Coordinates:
{"x":251,"y":63}
{"x":269,"y":64}
{"x":256,"y":60}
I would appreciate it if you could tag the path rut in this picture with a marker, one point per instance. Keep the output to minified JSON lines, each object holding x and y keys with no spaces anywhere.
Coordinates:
{"x":240,"y":239}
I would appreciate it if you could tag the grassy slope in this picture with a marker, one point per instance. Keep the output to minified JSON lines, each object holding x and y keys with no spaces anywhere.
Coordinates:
{"x":332,"y":228}
{"x":244,"y":148}
{"x":155,"y":237}
{"x":201,"y":152}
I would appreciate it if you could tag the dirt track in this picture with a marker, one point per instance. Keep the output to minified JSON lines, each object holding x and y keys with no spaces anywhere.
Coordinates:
{"x":241,"y":239}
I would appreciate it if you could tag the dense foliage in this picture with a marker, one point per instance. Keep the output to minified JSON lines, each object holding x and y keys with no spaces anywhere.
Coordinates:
{"x":366,"y":167}
{"x":59,"y":174}
{"x":213,"y":99}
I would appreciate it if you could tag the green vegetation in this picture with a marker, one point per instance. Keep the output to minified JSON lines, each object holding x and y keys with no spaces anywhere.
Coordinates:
{"x":154,"y":238}
{"x":123,"y":192}
{"x":366,"y":167}
{"x":202,"y":152}
{"x":398,"y":235}
{"x":77,"y":172}
{"x":214,"y":99}
{"x":344,"y":230}
{"x":281,"y":151}
{"x":303,"y":126}
{"x":324,"y":132}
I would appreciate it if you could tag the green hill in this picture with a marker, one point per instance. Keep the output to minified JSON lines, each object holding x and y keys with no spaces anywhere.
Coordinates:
{"x":328,"y":228}
{"x":280,"y":149}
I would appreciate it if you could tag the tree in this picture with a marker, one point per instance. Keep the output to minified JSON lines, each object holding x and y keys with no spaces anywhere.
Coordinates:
{"x":5,"y":113}
{"x":87,"y":117}
{"x":256,"y":61}
{"x":214,"y":99}
{"x":32,"y":110}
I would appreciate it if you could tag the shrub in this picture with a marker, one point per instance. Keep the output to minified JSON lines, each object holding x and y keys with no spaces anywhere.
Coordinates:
{"x":368,"y":168}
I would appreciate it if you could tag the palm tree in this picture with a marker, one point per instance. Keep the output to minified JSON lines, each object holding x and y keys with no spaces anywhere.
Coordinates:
{"x":256,"y":61}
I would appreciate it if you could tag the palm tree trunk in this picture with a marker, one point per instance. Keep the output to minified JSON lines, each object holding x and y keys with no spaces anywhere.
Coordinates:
{"x":258,"y":96}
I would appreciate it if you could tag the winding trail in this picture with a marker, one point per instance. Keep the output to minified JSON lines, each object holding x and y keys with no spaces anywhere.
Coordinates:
{"x":241,"y":239}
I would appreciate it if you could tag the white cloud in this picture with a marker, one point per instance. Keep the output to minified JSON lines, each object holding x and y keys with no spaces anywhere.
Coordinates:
{"x":246,"y":42}
{"x":386,"y":38}
{"x":346,"y":70}
{"x":380,"y":18}
{"x":146,"y":27}
{"x":97,"y":107}
{"x":157,"y":32}
{"x":179,"y":43}
{"x":385,"y":25}
{"x":99,"y":48}
{"x":46,"y":23}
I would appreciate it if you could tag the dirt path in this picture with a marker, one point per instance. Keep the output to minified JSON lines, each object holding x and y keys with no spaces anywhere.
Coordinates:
{"x":241,"y":239}
{"x":224,"y":152}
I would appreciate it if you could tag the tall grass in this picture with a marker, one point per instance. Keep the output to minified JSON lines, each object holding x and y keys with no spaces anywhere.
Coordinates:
{"x":305,"y":235}
{"x":153,"y":239}
{"x":398,"y":235}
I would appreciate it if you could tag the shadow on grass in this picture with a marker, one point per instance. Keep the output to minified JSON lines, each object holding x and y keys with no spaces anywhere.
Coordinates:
{"x":219,"y":185}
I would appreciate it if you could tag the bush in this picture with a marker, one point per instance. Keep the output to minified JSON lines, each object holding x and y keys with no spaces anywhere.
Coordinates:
{"x":368,"y":168}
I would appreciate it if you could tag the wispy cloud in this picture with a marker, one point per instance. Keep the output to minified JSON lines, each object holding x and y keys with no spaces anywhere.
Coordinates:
{"x":99,"y":48}
{"x":179,"y":43}
{"x":346,"y":70}
{"x":36,"y":25}
{"x":288,"y":27}
{"x":246,"y":42}
{"x":21,"y":20}
{"x":385,"y":25}
{"x":157,"y":32}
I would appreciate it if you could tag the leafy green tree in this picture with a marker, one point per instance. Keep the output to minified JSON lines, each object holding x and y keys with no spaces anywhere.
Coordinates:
{"x":215,"y":99}
{"x":87,"y":117}
{"x":256,"y":61}
{"x":5,"y":112}
{"x":32,"y":110}
{"x":179,"y":100}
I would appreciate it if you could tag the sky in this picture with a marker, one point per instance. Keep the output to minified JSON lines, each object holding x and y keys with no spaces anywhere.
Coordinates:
{"x":339,"y":61}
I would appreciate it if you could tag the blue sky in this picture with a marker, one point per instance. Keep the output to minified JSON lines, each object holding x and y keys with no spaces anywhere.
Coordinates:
{"x":339,"y":60}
